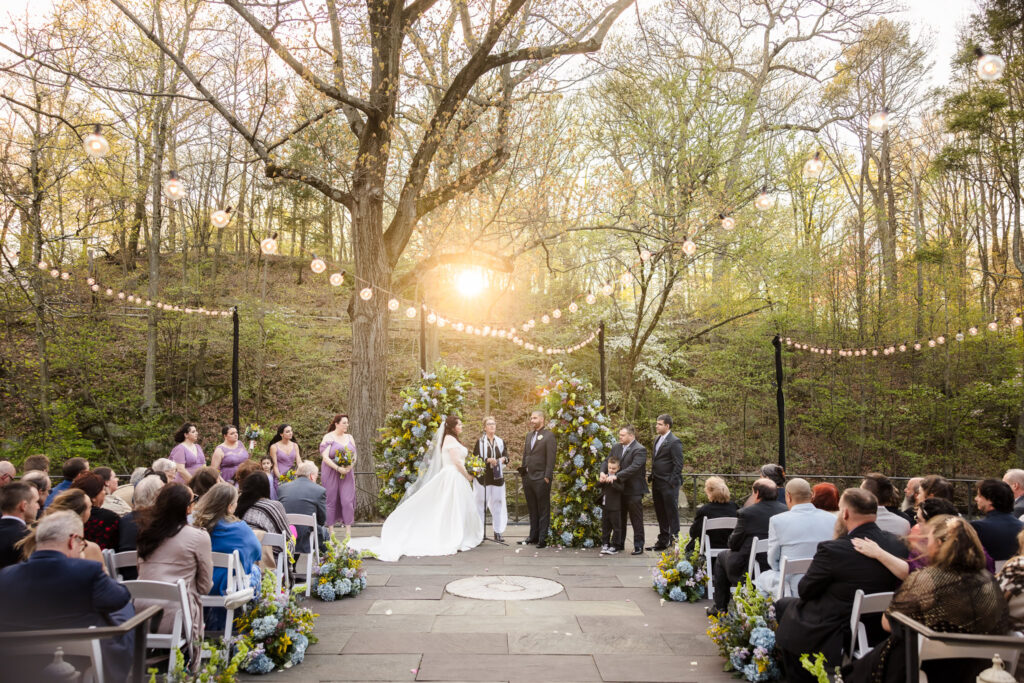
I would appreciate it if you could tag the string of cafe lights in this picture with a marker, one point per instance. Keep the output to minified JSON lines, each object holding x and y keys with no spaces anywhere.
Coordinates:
{"x":989,"y":67}
{"x":843,"y":351}
{"x":96,"y":287}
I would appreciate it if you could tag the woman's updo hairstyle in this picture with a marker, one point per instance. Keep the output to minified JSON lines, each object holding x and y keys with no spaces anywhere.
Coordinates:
{"x":179,"y":436}
{"x":450,"y":423}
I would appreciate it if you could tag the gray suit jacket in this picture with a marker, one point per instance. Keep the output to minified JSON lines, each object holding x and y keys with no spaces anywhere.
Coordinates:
{"x":304,"y":497}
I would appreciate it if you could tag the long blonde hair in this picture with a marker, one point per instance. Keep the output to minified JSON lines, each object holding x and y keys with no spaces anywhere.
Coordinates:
{"x":214,"y":505}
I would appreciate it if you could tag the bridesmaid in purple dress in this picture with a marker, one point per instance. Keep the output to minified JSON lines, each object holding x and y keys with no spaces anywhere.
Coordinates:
{"x":229,"y":455}
{"x":188,"y":455}
{"x":339,"y":481}
{"x":284,"y":451}
{"x":267,"y":465}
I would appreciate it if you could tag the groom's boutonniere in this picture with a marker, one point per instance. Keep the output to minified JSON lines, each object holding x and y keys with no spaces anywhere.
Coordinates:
{"x":539,"y":437}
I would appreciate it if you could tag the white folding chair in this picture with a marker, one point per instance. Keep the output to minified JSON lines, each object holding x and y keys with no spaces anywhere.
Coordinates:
{"x":1000,"y":564}
{"x":305,"y":563}
{"x":125,"y":558}
{"x":864,"y":603}
{"x":89,"y":649}
{"x":710,"y":552}
{"x":757,"y":546}
{"x":932,"y":645}
{"x":280,"y":546}
{"x":788,"y":568}
{"x":176,"y":597}
{"x":233,"y":597}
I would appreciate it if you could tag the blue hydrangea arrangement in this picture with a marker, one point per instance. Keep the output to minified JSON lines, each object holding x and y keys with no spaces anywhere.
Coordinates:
{"x":584,"y":439}
{"x":340,"y":573}
{"x":406,"y":434}
{"x":745,"y":635}
{"x":274,"y":630}
{"x":679,"y":575}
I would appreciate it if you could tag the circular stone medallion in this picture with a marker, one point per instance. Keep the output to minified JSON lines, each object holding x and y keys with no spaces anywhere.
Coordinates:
{"x":504,"y":588}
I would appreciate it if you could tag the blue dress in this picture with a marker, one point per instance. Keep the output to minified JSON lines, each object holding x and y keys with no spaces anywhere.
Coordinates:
{"x":225,"y":538}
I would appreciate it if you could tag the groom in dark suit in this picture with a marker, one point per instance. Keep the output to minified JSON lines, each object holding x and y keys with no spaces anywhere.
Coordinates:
{"x":538,"y":470}
{"x":666,"y":478}
{"x":632,"y":473}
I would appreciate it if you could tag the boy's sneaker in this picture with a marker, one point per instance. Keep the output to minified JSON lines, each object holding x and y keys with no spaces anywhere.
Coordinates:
{"x":604,"y":549}
{"x":612,"y":551}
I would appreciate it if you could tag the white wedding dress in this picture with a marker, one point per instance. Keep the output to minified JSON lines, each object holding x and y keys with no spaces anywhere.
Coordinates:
{"x":437,"y":515}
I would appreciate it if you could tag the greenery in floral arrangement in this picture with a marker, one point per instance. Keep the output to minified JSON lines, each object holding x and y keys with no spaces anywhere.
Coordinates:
{"x":680,"y":575}
{"x":217,"y":667}
{"x":745,"y":635}
{"x":407,"y":432}
{"x":340,"y":573}
{"x":275,"y":629}
{"x":584,"y":440}
{"x":818,"y":670}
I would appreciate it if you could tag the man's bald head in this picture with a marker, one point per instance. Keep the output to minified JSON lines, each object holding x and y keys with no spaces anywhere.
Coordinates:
{"x":798,"y":491}
{"x":765,"y":489}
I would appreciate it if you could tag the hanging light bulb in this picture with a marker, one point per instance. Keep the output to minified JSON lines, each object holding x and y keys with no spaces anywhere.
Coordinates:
{"x":337,"y":279}
{"x":174,"y":189}
{"x":689,"y":247}
{"x":879,"y":121}
{"x":96,"y":146}
{"x":459,"y":327}
{"x":431,"y":318}
{"x":607,"y":290}
{"x":764,"y":201}
{"x":366,"y":294}
{"x":410,"y":312}
{"x":972,"y":330}
{"x":94,"y":287}
{"x":917,"y":346}
{"x":993,"y":326}
{"x":931,"y":343}
{"x":874,"y":352}
{"x":54,"y":273}
{"x":941,"y":339}
{"x":120,"y":295}
{"x":591,"y":299}
{"x":814,"y":166}
{"x":269,"y":245}
{"x":532,"y":323}
{"x":625,"y":279}
{"x":573,"y":307}
{"x":728,"y":222}
{"x":545,"y":319}
{"x":903,"y":348}
{"x":441,"y":322}
{"x":1017,"y":321}
{"x":221,"y":218}
{"x":645,"y":254}
{"x":959,"y":336}
{"x":43,"y":265}
{"x":90,"y":281}
{"x":557,"y":313}
{"x":317,"y":265}
{"x":990,"y":67}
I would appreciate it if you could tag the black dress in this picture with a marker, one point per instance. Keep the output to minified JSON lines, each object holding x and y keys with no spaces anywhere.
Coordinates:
{"x":719,"y":537}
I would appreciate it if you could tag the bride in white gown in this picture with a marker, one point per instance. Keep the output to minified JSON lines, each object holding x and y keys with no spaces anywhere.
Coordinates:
{"x":437,"y":515}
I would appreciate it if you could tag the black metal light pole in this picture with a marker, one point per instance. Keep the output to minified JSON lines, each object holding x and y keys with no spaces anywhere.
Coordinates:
{"x":600,"y":352}
{"x":780,"y":400}
{"x":234,"y":368}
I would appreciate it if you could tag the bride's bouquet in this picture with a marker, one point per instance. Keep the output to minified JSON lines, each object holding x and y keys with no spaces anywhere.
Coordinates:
{"x":343,"y":457}
{"x":475,"y":465}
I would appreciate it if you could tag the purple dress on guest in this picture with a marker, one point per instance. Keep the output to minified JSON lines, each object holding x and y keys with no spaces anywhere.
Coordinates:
{"x":181,"y":456}
{"x":233,"y":457}
{"x":341,"y":493}
{"x":286,"y":461}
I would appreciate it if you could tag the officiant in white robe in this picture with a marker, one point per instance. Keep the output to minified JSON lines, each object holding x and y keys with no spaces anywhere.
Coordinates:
{"x":490,"y":487}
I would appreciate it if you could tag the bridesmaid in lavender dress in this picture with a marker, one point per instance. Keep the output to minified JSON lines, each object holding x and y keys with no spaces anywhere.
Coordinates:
{"x":267,"y":465}
{"x":229,"y":455}
{"x":284,"y":451}
{"x":188,"y":455}
{"x":339,"y":481}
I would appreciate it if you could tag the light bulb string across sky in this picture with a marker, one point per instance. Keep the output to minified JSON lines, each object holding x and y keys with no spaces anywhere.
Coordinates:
{"x":845,"y":350}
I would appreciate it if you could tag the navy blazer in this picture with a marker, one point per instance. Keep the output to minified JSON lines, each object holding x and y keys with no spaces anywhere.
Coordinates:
{"x":667,"y":462}
{"x":998,"y":534}
{"x":11,"y":531}
{"x":632,"y":464}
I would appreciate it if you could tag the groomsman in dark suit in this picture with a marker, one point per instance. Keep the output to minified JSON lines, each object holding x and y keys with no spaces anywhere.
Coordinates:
{"x":632,"y":473}
{"x":538,"y":470}
{"x":666,"y":478}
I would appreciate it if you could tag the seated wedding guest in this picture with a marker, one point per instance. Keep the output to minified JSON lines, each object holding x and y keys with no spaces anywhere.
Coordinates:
{"x":825,"y":496}
{"x":56,"y":589}
{"x":751,"y":522}
{"x":910,"y":497}
{"x":19,"y":504}
{"x":7,"y":472}
{"x":303,"y":496}
{"x":880,"y":486}
{"x":934,"y":486}
{"x":165,"y":467}
{"x":998,"y":529}
{"x":34,"y":463}
{"x":72,"y":500}
{"x":718,"y":505}
{"x":769,"y":471}
{"x":1011,"y":580}
{"x":794,"y":534}
{"x":71,"y":469}
{"x":101,"y":527}
{"x":611,"y":509}
{"x":146,"y":492}
{"x":215,"y":512}
{"x":264,"y":467}
{"x":110,"y":484}
{"x":41,"y":482}
{"x":204,"y":479}
{"x":126,"y":492}
{"x":1015,"y":479}
{"x":264,"y":515}
{"x":954,"y":593}
{"x":819,"y":620}
{"x":169,"y":549}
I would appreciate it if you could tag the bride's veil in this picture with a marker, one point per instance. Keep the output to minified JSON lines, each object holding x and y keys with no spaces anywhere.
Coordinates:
{"x":431,"y":466}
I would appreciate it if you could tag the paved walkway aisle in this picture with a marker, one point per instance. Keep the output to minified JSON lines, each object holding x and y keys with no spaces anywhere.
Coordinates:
{"x":607,"y":625}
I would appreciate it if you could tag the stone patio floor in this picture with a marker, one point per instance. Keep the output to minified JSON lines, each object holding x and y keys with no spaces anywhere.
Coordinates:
{"x":607,"y":625}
